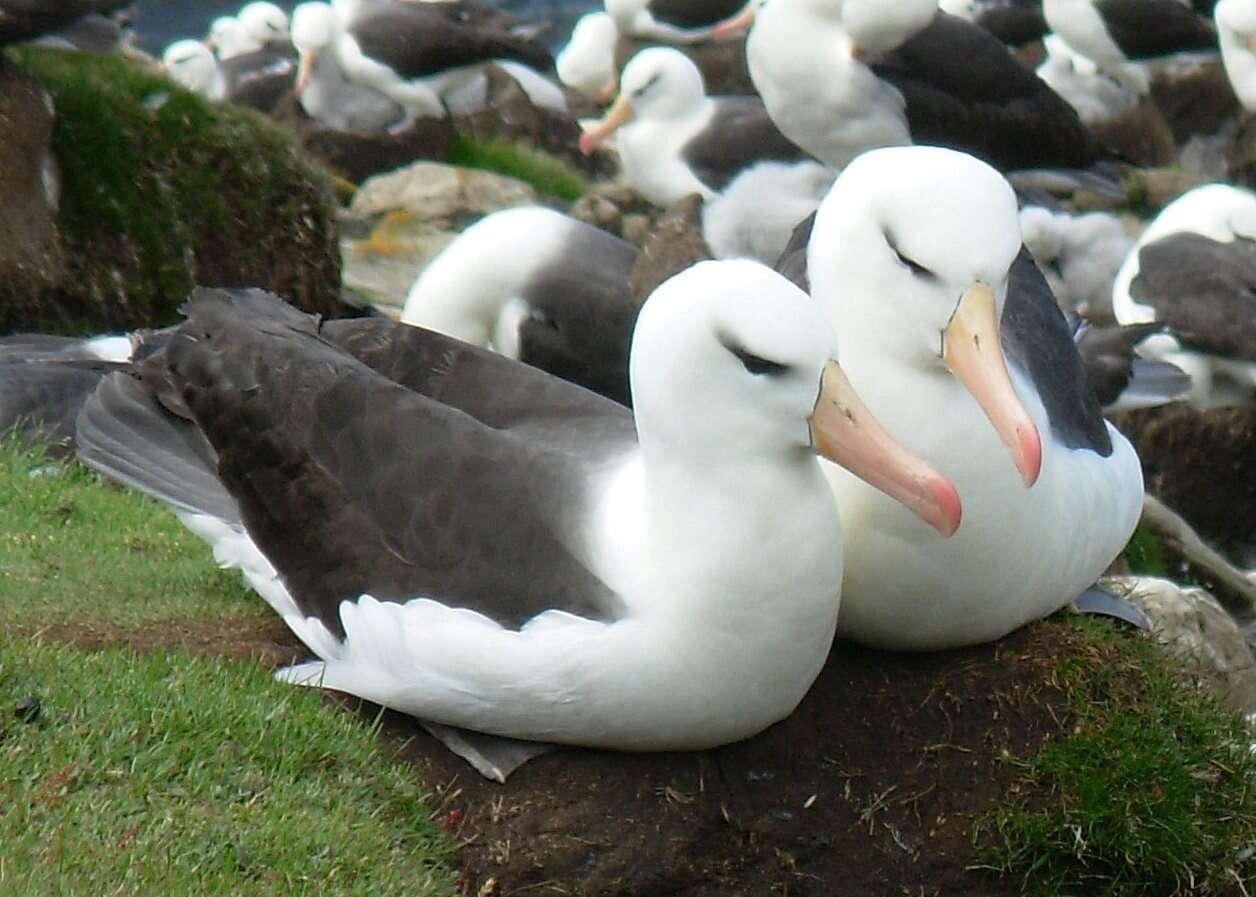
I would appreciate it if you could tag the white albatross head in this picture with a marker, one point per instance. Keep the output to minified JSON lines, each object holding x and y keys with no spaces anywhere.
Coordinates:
{"x":658,"y":83}
{"x":265,"y":22}
{"x":192,"y":64}
{"x":911,"y":251}
{"x":587,"y":62}
{"x":314,"y":29}
{"x":732,"y":363}
{"x":878,"y":26}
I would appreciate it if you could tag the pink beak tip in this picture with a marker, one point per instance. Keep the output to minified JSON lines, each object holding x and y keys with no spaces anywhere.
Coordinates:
{"x":951,"y":510}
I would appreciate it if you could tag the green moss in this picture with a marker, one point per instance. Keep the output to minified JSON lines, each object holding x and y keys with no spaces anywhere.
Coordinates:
{"x":162,"y":190}
{"x":1150,"y":794}
{"x":550,"y":176}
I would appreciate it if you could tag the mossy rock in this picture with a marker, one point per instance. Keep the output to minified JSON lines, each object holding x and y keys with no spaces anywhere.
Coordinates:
{"x":163,"y":191}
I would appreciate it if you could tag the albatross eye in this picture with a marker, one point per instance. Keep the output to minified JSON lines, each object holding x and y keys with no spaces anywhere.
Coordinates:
{"x":758,"y":366}
{"x":910,"y":264}
{"x":654,"y":79}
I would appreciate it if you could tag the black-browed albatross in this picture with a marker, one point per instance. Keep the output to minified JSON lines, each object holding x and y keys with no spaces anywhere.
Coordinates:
{"x":556,"y":295}
{"x":674,"y":140}
{"x":419,"y":52}
{"x":468,"y":540}
{"x":840,"y":77}
{"x":1194,"y":271}
{"x":952,"y":335}
{"x":1113,"y":32}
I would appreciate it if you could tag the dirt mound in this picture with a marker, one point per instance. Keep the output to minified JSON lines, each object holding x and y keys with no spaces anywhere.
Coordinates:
{"x":869,"y":789}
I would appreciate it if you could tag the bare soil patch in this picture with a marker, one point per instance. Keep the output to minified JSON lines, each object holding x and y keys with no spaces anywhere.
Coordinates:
{"x":869,"y":789}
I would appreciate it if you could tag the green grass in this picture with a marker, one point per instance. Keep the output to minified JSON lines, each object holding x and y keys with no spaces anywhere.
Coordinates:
{"x":550,"y":176}
{"x":167,"y":774}
{"x":73,"y":547}
{"x":162,"y":772}
{"x":1153,"y":793}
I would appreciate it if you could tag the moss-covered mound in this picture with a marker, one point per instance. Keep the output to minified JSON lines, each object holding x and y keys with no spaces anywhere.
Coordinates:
{"x":162,"y":191}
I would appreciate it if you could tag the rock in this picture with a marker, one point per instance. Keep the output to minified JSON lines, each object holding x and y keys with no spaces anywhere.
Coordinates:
{"x":163,"y":191}
{"x":606,"y":206}
{"x":383,"y":267}
{"x":434,"y":192}
{"x":1202,"y":464}
{"x":510,"y":115}
{"x":1151,"y":189}
{"x":399,"y":221}
{"x":1198,"y":631}
{"x":31,"y":257}
{"x":674,"y":244}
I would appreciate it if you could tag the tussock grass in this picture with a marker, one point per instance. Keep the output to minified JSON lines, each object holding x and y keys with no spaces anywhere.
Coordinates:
{"x":162,"y":187}
{"x":549,"y":175}
{"x":1152,"y":793}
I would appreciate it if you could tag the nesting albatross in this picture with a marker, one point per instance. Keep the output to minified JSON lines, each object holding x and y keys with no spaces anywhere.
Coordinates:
{"x":485,"y":546}
{"x":1194,"y":271}
{"x":840,"y":77}
{"x":954,"y":339}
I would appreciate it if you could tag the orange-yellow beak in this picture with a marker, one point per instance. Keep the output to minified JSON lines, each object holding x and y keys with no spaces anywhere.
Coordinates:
{"x":615,"y":118}
{"x":844,"y":431}
{"x":306,"y":70}
{"x":607,"y":93}
{"x":973,"y":353}
{"x":735,"y":26}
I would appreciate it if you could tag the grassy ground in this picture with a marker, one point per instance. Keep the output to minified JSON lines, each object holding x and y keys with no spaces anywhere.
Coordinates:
{"x":163,"y":771}
{"x":1152,"y":792}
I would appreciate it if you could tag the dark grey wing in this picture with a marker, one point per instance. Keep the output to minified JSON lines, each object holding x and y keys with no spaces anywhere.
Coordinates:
{"x":965,"y":90}
{"x":349,"y":482}
{"x":1145,"y":29}
{"x":792,"y":264}
{"x":1203,"y":291}
{"x":40,"y":400}
{"x":259,"y":79}
{"x":44,"y":381}
{"x":126,"y":432}
{"x":496,"y":391}
{"x":1038,"y":340}
{"x":1015,"y":24}
{"x":419,"y":39}
{"x":582,"y":314}
{"x":1109,"y":358}
{"x":694,"y":13}
{"x":739,"y":134}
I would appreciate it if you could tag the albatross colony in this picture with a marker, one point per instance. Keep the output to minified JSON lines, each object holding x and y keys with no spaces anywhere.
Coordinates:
{"x":488,"y":547}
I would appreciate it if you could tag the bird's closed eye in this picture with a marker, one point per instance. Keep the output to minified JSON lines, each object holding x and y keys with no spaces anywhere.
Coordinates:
{"x":910,"y":264}
{"x":757,"y":365}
